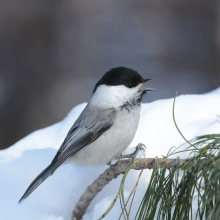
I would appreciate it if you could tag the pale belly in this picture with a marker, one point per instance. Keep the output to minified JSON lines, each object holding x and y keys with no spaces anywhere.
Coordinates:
{"x":111,"y":143}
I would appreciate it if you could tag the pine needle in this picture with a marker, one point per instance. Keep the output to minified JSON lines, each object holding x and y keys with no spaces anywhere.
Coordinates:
{"x":119,"y":193}
{"x":132,"y":192}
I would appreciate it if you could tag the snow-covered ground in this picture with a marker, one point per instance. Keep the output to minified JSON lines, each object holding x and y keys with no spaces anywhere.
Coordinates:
{"x":55,"y":198}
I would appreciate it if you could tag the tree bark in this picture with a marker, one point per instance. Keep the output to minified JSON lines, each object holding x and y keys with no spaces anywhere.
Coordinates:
{"x":113,"y":172}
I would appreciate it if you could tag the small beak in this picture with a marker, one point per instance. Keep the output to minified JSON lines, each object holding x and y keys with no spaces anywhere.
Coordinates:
{"x":143,"y":89}
{"x":146,"y":80}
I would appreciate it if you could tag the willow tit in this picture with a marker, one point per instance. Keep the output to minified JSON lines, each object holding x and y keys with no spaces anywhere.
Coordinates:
{"x":105,"y":127}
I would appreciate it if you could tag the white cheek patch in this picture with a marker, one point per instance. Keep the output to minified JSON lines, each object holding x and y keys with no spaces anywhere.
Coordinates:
{"x":113,"y":96}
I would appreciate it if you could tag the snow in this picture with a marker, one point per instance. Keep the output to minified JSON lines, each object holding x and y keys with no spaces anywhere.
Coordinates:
{"x":56,"y":197}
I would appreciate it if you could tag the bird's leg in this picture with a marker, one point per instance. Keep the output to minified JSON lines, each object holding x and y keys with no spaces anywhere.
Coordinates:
{"x":140,"y":150}
{"x":113,"y":164}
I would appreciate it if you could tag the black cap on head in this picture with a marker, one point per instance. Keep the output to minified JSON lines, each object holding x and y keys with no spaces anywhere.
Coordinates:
{"x":120,"y":76}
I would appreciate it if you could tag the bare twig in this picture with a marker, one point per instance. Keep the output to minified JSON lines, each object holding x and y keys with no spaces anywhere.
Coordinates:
{"x":132,"y":192}
{"x":135,"y":191}
{"x":112,"y":173}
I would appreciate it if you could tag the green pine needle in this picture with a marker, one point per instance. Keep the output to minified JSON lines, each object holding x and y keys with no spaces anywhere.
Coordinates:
{"x":188,"y":192}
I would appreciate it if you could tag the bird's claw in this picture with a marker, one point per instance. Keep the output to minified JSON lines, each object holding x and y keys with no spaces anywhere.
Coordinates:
{"x":140,"y":151}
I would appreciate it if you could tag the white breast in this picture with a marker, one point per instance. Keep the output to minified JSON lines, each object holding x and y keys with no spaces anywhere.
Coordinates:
{"x":111,"y":143}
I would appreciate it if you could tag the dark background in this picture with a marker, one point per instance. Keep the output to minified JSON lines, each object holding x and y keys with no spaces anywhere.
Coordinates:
{"x":53,"y":52}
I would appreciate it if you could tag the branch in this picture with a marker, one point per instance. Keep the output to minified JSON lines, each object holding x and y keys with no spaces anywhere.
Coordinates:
{"x":113,"y":172}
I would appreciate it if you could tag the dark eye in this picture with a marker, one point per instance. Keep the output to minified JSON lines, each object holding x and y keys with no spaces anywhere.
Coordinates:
{"x":130,"y":85}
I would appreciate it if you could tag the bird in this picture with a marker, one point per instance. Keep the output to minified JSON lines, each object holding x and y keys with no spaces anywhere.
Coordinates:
{"x":105,"y":127}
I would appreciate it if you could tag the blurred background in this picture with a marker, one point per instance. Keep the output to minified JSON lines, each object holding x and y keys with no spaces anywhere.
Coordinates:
{"x":53,"y":52}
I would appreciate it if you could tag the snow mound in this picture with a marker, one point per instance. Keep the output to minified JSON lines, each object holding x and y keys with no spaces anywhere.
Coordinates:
{"x":56,"y":197}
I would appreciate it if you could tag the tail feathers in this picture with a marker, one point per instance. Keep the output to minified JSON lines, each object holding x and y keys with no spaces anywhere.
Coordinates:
{"x":38,"y":180}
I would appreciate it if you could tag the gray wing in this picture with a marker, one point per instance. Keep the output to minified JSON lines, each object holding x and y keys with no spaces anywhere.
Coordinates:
{"x":90,"y":125}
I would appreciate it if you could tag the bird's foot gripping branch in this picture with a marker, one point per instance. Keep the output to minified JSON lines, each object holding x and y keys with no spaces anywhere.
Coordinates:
{"x":139,"y":152}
